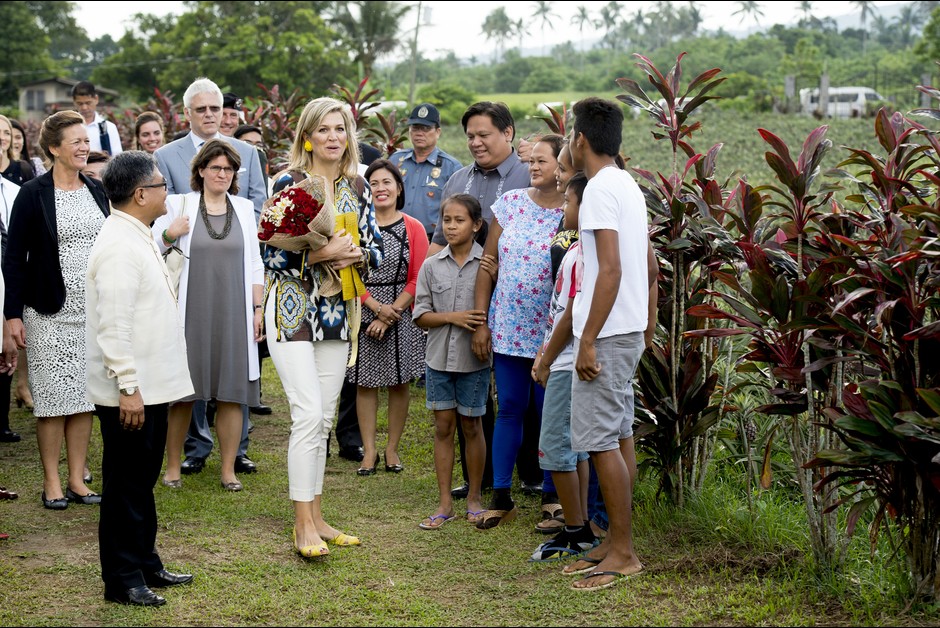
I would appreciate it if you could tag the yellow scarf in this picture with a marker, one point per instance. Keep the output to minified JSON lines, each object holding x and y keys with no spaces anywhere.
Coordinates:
{"x":353,"y":288}
{"x":352,"y":282}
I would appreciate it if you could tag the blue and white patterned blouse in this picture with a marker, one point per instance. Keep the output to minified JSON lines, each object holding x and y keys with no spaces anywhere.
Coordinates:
{"x":519,"y":307}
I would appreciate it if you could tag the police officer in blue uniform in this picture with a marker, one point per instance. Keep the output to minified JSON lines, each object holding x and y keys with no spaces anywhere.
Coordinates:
{"x":424,"y":167}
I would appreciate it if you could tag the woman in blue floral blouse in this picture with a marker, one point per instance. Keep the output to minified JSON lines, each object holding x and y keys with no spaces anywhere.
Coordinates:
{"x":308,"y":333}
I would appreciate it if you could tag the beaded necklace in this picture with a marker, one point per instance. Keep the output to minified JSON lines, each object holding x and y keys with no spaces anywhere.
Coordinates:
{"x":229,"y":212}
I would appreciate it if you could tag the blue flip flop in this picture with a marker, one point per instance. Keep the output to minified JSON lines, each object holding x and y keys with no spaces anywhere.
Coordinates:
{"x":434,"y":522}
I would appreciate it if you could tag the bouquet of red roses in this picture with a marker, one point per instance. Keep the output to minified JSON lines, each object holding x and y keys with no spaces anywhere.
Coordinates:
{"x":297,"y":218}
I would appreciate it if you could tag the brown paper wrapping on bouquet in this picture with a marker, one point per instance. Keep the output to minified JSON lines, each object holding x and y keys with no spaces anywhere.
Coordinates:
{"x":321,"y":228}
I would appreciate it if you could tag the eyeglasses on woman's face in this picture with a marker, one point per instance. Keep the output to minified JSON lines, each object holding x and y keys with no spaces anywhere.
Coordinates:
{"x":223,"y":170}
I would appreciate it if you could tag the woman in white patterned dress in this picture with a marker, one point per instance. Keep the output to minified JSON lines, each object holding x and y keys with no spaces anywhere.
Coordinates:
{"x":56,"y":218}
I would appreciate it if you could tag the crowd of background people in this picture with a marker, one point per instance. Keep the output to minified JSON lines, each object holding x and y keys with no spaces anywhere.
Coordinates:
{"x":466,"y":279}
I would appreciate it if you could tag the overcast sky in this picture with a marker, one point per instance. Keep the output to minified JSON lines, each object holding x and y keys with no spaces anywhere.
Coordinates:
{"x":459,"y":29}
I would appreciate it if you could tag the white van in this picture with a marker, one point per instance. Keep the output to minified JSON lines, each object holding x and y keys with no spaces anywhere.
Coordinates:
{"x":844,"y":102}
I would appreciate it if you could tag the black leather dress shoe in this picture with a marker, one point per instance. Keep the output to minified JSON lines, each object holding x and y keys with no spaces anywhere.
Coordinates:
{"x":135,"y":596}
{"x":531,"y":489}
{"x":261,"y":409}
{"x":9,"y":436}
{"x":460,"y":492}
{"x":192,"y":465}
{"x":243,"y":464}
{"x":164,"y":578}
{"x":351,"y":452}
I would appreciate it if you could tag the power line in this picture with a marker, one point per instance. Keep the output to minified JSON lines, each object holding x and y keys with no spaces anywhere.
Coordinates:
{"x":131,"y":64}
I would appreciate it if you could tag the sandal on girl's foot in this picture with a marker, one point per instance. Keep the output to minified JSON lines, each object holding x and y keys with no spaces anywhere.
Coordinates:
{"x":434,"y":522}
{"x":592,"y":564}
{"x":474,"y":516}
{"x":492,"y":518}
{"x":553,"y":519}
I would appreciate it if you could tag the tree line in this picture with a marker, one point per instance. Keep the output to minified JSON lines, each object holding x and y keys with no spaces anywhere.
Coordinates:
{"x":311,"y":45}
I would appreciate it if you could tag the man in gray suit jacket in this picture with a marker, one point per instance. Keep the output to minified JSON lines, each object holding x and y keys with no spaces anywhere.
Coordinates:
{"x":202,"y":104}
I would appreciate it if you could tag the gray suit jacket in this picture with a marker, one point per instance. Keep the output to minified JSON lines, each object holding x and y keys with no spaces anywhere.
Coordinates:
{"x":175,"y":163}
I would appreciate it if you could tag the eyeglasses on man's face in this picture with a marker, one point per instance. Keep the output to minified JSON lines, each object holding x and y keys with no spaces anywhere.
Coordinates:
{"x":162,"y":184}
{"x":224,"y":170}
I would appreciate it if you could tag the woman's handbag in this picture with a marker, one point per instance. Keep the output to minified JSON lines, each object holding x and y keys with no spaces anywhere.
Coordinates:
{"x":173,"y":258}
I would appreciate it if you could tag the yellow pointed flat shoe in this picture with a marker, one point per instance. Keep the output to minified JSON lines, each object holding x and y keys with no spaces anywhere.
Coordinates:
{"x":311,"y":551}
{"x":344,"y":540}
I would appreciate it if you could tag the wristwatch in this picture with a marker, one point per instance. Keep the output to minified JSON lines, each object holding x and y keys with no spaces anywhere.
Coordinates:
{"x":130,"y":390}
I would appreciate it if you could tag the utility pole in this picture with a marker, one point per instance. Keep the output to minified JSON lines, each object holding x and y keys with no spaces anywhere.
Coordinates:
{"x":414,"y":60}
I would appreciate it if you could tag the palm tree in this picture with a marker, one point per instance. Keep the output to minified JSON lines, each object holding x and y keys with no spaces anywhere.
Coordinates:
{"x":520,"y":28}
{"x":695,"y":16}
{"x":866,"y":8}
{"x":749,"y":9}
{"x":610,"y":17}
{"x":371,"y":28}
{"x":806,"y":8}
{"x":904,"y":24}
{"x":498,"y":27}
{"x":544,"y":12}
{"x":925,"y":8}
{"x":582,"y":17}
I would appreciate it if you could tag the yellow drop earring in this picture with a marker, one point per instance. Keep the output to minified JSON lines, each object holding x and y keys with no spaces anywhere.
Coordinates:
{"x":308,"y":146}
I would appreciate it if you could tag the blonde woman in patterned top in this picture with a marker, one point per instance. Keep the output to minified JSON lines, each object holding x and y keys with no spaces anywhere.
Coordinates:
{"x":308,"y":333}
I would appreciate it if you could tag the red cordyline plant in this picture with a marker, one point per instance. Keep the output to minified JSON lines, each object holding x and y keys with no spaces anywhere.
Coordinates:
{"x":889,"y":421}
{"x":677,"y":377}
{"x":557,"y":121}
{"x":842,"y":302}
{"x":163,"y":104}
{"x":277,"y":117}
{"x":386,"y":135}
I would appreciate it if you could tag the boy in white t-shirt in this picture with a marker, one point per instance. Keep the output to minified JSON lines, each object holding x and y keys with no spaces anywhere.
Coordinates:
{"x":611,"y":320}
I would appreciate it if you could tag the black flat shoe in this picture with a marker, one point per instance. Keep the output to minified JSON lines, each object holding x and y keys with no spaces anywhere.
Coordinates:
{"x":261,"y":410}
{"x":164,"y":578}
{"x":9,"y":436}
{"x":89,"y":500}
{"x":88,"y":478}
{"x":394,"y":468}
{"x":369,"y":470}
{"x":135,"y":596}
{"x":460,"y":492}
{"x":54,"y":504}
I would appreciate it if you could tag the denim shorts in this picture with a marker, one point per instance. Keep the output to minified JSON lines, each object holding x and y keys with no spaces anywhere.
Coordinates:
{"x":467,"y":392}
{"x":555,"y":453}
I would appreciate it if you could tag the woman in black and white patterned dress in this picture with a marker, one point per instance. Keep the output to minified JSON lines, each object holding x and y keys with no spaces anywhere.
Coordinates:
{"x":56,"y":218}
{"x":391,"y":347}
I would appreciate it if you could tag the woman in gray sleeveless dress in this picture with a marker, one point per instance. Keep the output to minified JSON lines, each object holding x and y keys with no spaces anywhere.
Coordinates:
{"x":219,"y":297}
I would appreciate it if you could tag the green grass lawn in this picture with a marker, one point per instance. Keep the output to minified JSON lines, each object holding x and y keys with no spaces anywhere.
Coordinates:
{"x":710,"y":563}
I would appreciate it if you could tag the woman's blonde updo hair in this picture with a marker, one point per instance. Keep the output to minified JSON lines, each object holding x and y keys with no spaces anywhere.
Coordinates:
{"x":312,"y":117}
